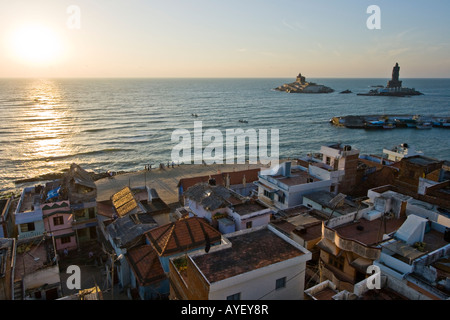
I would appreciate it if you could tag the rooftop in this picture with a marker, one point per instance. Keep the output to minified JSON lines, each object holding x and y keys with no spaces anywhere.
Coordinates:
{"x":421,"y":160}
{"x":249,"y":251}
{"x":130,"y":228}
{"x":34,"y":255}
{"x":235,"y":177}
{"x":296,"y":177}
{"x":182,"y":235}
{"x":248,"y":207}
{"x":324,"y":198}
{"x":212,"y":197}
{"x":369,"y":232}
{"x":145,"y":264}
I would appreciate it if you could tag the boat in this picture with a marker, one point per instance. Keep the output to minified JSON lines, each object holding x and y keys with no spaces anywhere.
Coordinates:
{"x":243,"y":121}
{"x":388,"y":126}
{"x":374,"y":124}
{"x":441,"y":123}
{"x":424,"y":125}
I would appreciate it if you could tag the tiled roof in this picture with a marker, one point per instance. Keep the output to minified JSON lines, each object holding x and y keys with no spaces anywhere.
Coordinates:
{"x":145,"y":264}
{"x":182,"y":235}
{"x":248,"y":251}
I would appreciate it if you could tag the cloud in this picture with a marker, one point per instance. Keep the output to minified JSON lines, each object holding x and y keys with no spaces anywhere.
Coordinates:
{"x":296,"y":26}
{"x":397,"y":52}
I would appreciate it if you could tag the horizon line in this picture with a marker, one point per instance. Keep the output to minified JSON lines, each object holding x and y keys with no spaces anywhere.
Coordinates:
{"x":194,"y":77}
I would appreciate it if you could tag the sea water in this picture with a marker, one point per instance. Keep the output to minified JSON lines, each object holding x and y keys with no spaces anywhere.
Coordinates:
{"x":126,"y":124}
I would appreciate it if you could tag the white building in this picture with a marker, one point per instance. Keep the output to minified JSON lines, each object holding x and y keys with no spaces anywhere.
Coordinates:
{"x":417,"y":257}
{"x":258,"y":263}
{"x":284,"y":186}
{"x":401,"y":151}
{"x":225,"y":209}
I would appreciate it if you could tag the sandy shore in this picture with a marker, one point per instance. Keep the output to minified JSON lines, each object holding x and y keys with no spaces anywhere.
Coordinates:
{"x":163,"y":180}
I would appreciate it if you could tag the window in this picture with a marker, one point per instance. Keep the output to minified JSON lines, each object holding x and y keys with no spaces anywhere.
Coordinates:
{"x":337,"y":262}
{"x":328,"y":160}
{"x":249,"y":224}
{"x":91,"y":213}
{"x":282,"y":198}
{"x":268,"y":194}
{"x":25,"y":227}
{"x":236,"y":296}
{"x":280,"y":283}
{"x":57,"y":221}
{"x":65,"y":240}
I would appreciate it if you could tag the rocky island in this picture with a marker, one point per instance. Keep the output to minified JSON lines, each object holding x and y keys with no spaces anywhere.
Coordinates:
{"x":394,"y":87}
{"x":301,"y":86}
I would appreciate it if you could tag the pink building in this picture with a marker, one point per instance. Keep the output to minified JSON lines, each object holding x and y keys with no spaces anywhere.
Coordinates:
{"x":58,"y":221}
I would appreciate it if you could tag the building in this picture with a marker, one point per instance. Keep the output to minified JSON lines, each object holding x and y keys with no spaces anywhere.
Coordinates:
{"x":123,"y":234}
{"x":225,"y":209}
{"x":253,"y":264}
{"x":401,"y":151}
{"x":303,"y":225}
{"x":333,"y":205}
{"x":411,"y":169}
{"x":349,"y":245}
{"x":417,"y":257}
{"x":64,"y":209}
{"x":7,"y":268}
{"x":285,"y":185}
{"x":148,"y":278}
{"x":432,"y":207}
{"x":336,"y":163}
{"x":57,"y":216}
{"x":79,"y":188}
{"x":239,"y":181}
{"x":6,"y":218}
{"x":36,"y":274}
{"x":245,"y":215}
{"x":182,"y":236}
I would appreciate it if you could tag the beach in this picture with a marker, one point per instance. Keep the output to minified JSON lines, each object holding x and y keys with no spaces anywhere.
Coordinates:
{"x":163,"y":180}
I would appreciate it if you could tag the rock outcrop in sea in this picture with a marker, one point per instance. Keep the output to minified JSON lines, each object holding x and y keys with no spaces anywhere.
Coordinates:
{"x":301,"y":86}
{"x":394,"y":87}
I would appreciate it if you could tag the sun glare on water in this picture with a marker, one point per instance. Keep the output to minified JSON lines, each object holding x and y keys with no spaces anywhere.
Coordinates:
{"x":36,"y":45}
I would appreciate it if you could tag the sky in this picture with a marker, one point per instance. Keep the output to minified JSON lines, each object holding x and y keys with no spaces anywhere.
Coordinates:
{"x":215,"y":39}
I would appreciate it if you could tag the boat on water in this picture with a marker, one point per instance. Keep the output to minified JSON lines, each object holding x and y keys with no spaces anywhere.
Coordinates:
{"x":424,"y":125}
{"x":388,"y":126}
{"x":441,"y":123}
{"x":374,"y":124}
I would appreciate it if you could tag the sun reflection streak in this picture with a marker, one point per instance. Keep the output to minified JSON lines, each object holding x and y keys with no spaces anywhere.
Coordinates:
{"x":47,"y":125}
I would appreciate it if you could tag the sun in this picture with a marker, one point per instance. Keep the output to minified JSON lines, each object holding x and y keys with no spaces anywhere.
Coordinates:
{"x":35,"y":44}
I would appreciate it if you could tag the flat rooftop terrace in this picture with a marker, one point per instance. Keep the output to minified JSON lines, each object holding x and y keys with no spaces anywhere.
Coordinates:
{"x":297,"y":177}
{"x":249,"y":251}
{"x":249,"y":207}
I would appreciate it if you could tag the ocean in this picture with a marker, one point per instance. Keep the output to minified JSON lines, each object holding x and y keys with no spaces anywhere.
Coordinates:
{"x":125,"y":124}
